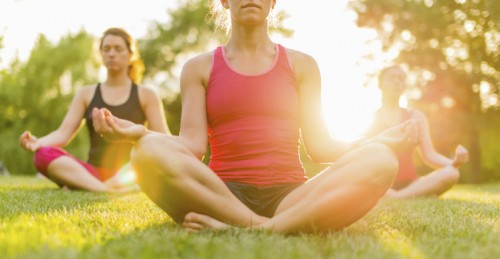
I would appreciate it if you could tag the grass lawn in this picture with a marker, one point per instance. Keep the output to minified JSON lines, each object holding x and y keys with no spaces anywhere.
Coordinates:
{"x":38,"y":220}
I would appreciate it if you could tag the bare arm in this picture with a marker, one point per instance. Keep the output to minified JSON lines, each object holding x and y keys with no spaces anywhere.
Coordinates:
{"x":320,"y":146}
{"x":153,"y":108}
{"x":427,"y":151}
{"x":194,"y":80}
{"x":68,"y":128}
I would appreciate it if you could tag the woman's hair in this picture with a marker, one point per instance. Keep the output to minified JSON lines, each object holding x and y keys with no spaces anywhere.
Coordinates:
{"x":222,"y":18}
{"x":136,"y":66}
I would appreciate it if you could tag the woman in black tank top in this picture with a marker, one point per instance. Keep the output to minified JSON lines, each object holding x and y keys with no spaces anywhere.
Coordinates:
{"x":118,"y":94}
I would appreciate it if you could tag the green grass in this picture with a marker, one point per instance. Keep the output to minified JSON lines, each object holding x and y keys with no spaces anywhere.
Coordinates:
{"x":37,"y":220}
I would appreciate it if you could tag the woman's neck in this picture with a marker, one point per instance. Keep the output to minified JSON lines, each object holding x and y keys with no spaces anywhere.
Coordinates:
{"x":117,"y":80}
{"x":390,"y":103}
{"x":249,"y":39}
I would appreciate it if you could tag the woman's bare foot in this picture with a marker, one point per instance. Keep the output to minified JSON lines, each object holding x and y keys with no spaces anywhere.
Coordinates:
{"x":194,"y":222}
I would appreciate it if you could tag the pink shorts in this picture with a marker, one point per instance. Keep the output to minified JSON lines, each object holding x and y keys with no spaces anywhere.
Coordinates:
{"x":45,"y":155}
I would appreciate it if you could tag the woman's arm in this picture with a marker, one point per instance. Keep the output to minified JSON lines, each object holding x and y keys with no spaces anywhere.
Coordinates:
{"x":194,"y":80}
{"x":153,"y":108}
{"x":427,"y":151}
{"x":320,"y":146}
{"x":68,"y":128}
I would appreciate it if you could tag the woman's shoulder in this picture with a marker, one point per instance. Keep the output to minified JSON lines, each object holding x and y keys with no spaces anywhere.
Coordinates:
{"x":415,"y":113}
{"x":301,"y":61}
{"x":303,"y":64}
{"x":203,"y":59}
{"x":197,"y":69}
{"x":299,"y":56}
{"x":86,"y":92}
{"x":146,"y":91}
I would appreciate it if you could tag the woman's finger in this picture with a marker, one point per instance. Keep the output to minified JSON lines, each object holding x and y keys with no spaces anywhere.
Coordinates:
{"x":100,"y":124}
{"x":110,"y":121}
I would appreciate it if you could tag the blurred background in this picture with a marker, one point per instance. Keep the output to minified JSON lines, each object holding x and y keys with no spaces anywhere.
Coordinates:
{"x":450,"y":48}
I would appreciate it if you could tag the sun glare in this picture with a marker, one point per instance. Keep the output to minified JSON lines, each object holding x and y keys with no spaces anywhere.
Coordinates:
{"x":330,"y":35}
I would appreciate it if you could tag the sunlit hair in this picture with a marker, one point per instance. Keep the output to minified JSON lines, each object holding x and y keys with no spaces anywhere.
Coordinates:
{"x":387,"y":69}
{"x":136,"y":66}
{"x":222,"y":17}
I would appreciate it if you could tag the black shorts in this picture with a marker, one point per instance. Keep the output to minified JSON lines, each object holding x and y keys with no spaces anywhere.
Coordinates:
{"x":263,"y":200}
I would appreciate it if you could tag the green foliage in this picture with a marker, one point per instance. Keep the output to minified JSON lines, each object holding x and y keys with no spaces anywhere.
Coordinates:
{"x":37,"y":220}
{"x":36,"y":95}
{"x":489,"y":144}
{"x":451,"y":47}
{"x":187,"y":30}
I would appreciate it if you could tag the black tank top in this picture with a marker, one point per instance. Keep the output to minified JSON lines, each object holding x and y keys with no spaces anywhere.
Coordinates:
{"x":108,"y":155}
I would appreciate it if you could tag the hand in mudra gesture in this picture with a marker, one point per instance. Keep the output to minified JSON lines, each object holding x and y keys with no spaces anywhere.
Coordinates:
{"x":29,"y":142}
{"x":461,"y":156}
{"x":114,"y":129}
{"x":402,"y":136}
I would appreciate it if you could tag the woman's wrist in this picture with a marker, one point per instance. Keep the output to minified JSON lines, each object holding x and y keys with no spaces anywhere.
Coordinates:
{"x":360,"y":142}
{"x":456,"y":164}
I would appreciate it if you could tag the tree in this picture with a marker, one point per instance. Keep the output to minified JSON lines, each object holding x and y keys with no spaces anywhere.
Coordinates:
{"x":35,"y":95}
{"x":452,"y":46}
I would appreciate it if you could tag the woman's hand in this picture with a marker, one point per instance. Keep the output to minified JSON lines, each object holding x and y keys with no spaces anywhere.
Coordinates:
{"x":114,"y":129}
{"x":29,"y":141}
{"x":400,"y":137}
{"x":461,"y":156}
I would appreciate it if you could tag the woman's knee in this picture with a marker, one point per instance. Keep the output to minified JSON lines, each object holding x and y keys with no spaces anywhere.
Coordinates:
{"x":44,"y":156}
{"x":152,"y":148}
{"x":155,"y":151}
{"x":450,"y":176}
{"x":383,"y":162}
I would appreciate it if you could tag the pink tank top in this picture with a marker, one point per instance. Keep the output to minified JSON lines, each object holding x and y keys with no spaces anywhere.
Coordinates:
{"x":253,"y":123}
{"x":407,"y":170}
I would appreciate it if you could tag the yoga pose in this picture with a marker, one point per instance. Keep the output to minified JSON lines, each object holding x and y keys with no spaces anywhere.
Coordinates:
{"x":408,"y":184}
{"x":120,"y":94}
{"x":253,"y":100}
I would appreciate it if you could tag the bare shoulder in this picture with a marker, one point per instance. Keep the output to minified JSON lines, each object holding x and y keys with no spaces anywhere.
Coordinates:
{"x":85,"y":93}
{"x":196,"y":71}
{"x":300,"y":59}
{"x":147,"y":91}
{"x":202,"y":61}
{"x":303,"y":65}
{"x":417,"y":114}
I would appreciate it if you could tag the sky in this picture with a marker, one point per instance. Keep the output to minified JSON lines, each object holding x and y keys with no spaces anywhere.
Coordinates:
{"x":323,"y":29}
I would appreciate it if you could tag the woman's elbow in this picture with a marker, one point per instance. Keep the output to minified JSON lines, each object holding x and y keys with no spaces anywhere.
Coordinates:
{"x":199,"y":153}
{"x":198,"y":149}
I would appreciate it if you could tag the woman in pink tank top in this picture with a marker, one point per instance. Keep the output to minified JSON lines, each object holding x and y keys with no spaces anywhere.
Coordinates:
{"x":408,"y":184}
{"x":253,"y":100}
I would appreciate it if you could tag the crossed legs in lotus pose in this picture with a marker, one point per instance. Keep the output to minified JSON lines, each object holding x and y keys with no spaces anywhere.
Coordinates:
{"x":193,"y":195}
